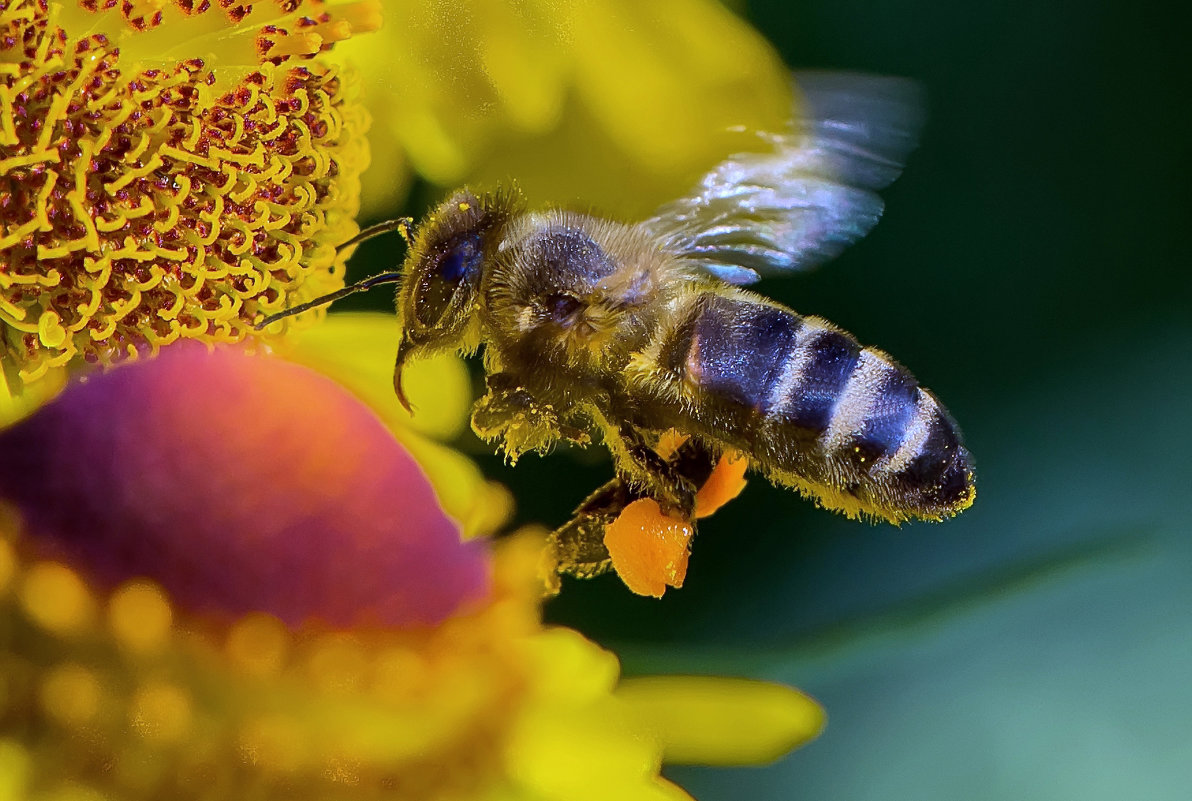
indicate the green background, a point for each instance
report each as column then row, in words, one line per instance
column 1032, row 270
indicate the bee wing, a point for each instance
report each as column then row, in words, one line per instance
column 812, row 194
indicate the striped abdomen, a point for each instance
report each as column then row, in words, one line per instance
column 813, row 408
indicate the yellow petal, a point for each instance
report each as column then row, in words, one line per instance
column 718, row 721
column 528, row 90
column 15, row 767
column 601, row 760
column 17, row 400
column 571, row 667
column 358, row 350
column 480, row 506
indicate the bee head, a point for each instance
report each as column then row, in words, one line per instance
column 441, row 279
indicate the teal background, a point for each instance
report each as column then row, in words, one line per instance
column 1032, row 270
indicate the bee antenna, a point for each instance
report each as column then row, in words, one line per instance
column 351, row 289
column 403, row 225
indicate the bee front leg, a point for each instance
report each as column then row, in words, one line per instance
column 510, row 414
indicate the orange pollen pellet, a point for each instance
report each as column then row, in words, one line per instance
column 649, row 549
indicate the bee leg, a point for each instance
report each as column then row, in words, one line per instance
column 508, row 398
column 694, row 461
column 523, row 423
column 578, row 545
column 577, row 548
column 673, row 490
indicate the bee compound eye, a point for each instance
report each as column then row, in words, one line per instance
column 449, row 273
column 455, row 265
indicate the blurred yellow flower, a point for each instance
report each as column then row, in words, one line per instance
column 167, row 170
column 239, row 585
column 613, row 103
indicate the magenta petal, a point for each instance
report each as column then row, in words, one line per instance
column 240, row 483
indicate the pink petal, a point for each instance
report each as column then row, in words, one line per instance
column 240, row 483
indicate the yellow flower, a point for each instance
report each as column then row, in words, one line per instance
column 238, row 585
column 613, row 103
column 167, row 171
column 222, row 576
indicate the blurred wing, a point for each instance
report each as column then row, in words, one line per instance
column 812, row 194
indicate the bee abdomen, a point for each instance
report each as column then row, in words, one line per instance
column 728, row 351
column 892, row 447
column 816, row 410
column 873, row 411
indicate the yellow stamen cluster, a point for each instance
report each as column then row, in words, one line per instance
column 128, row 694
column 120, row 694
column 147, row 194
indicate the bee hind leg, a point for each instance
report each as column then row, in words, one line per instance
column 578, row 545
column 577, row 548
column 661, row 478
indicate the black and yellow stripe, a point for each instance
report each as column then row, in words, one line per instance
column 816, row 410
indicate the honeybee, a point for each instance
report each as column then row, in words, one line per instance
column 591, row 326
